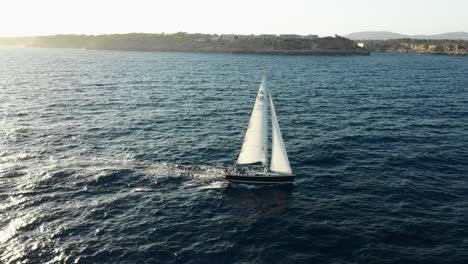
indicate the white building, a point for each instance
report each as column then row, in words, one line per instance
column 228, row 37
column 268, row 36
column 310, row 37
column 290, row 36
column 241, row 37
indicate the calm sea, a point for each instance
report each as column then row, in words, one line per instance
column 116, row 157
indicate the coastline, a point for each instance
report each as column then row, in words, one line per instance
column 204, row 43
column 418, row 46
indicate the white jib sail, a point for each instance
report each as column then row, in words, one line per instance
column 279, row 157
column 255, row 145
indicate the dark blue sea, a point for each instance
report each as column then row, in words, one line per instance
column 117, row 157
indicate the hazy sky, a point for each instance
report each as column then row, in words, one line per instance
column 46, row 17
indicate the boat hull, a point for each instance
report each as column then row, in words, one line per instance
column 259, row 179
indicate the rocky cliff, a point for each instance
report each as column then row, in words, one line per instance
column 258, row 44
column 452, row 47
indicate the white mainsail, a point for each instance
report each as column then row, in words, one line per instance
column 255, row 145
column 279, row 157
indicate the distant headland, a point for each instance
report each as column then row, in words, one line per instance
column 209, row 43
column 453, row 43
column 419, row 46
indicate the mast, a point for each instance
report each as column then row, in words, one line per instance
column 265, row 122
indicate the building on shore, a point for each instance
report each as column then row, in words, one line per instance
column 244, row 37
column 228, row 37
column 289, row 36
column 310, row 37
column 268, row 36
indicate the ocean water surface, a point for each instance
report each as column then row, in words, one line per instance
column 117, row 157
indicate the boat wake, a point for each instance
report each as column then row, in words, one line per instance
column 187, row 176
column 247, row 186
column 143, row 190
column 188, row 171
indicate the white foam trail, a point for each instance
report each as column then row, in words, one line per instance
column 245, row 186
column 215, row 185
column 143, row 190
column 194, row 172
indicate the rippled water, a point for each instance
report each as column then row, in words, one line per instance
column 116, row 157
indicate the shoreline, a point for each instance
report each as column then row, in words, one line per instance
column 202, row 43
column 418, row 46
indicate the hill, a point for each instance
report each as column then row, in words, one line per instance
column 375, row 35
column 385, row 35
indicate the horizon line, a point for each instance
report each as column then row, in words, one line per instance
column 224, row 33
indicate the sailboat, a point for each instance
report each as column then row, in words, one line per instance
column 254, row 149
